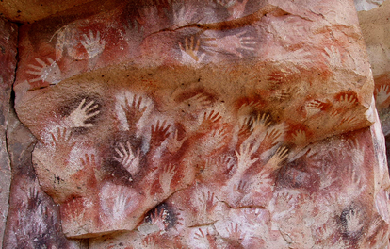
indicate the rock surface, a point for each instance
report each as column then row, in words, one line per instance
column 367, row 4
column 216, row 124
column 376, row 30
column 250, row 53
column 28, row 217
column 375, row 26
column 323, row 199
column 8, row 47
column 33, row 218
column 29, row 11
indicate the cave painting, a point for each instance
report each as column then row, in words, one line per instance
column 200, row 161
column 198, row 129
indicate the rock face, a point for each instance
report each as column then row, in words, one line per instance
column 376, row 30
column 290, row 210
column 367, row 4
column 215, row 124
column 375, row 27
column 27, row 11
column 33, row 218
column 28, row 217
column 8, row 46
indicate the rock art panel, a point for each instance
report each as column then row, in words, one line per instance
column 320, row 199
column 213, row 36
column 33, row 218
column 8, row 46
column 219, row 124
column 375, row 27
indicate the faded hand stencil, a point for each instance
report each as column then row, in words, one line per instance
column 49, row 73
column 67, row 40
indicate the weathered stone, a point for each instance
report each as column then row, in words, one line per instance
column 216, row 124
column 8, row 50
column 376, row 30
column 214, row 53
column 33, row 218
column 375, row 26
column 29, row 11
column 324, row 199
column 367, row 4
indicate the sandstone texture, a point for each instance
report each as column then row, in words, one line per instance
column 29, row 11
column 8, row 47
column 292, row 210
column 33, row 218
column 28, row 217
column 375, row 26
column 376, row 30
column 367, row 4
column 197, row 124
column 259, row 56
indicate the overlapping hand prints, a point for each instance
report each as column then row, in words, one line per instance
column 214, row 128
column 194, row 162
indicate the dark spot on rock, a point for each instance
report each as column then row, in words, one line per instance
column 296, row 175
column 164, row 213
column 116, row 173
column 113, row 170
column 19, row 11
column 2, row 118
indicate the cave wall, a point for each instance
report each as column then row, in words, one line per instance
column 188, row 124
column 375, row 27
column 8, row 46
